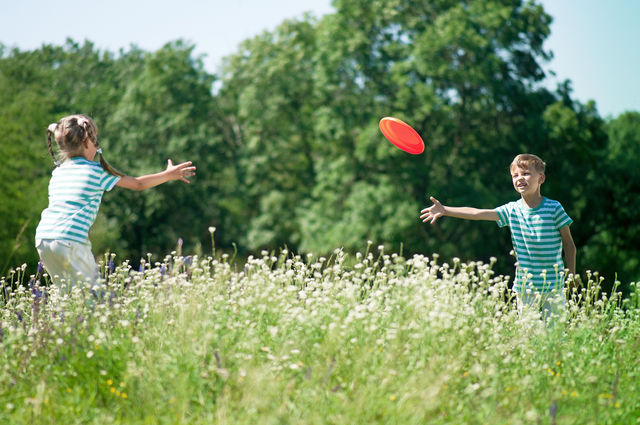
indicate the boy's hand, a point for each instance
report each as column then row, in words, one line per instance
column 434, row 212
column 573, row 282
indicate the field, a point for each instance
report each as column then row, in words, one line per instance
column 288, row 339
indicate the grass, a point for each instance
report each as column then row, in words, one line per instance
column 287, row 339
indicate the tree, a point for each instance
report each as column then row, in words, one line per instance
column 268, row 90
column 613, row 248
column 165, row 114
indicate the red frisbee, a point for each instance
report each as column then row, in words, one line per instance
column 402, row 135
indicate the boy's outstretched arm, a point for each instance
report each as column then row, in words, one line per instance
column 173, row 172
column 438, row 210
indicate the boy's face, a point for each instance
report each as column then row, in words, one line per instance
column 526, row 180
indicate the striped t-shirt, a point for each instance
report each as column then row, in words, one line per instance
column 535, row 233
column 75, row 192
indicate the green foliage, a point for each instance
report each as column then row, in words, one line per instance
column 287, row 144
column 616, row 239
column 24, row 102
column 164, row 114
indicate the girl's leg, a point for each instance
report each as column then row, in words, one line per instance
column 55, row 258
column 83, row 263
column 69, row 261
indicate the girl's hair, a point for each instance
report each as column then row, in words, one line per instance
column 526, row 160
column 70, row 133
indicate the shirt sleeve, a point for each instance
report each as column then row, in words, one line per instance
column 108, row 181
column 561, row 218
column 503, row 215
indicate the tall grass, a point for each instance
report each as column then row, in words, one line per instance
column 287, row 339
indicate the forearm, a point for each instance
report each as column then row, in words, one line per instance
column 469, row 213
column 144, row 182
column 173, row 172
column 570, row 258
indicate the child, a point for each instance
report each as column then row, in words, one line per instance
column 75, row 191
column 539, row 232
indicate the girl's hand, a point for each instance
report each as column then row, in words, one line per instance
column 180, row 171
column 432, row 213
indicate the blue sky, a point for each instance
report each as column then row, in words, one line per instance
column 596, row 43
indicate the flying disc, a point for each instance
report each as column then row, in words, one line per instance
column 402, row 135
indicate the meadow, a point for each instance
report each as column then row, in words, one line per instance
column 287, row 339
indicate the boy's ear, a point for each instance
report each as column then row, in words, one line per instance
column 542, row 178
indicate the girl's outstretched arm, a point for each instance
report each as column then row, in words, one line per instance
column 438, row 210
column 173, row 172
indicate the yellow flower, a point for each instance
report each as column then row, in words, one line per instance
column 392, row 397
column 109, row 382
column 68, row 390
column 124, row 395
column 112, row 389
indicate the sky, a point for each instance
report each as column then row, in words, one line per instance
column 596, row 43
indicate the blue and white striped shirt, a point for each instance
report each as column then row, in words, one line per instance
column 535, row 233
column 75, row 192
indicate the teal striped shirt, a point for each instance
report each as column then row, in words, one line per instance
column 75, row 192
column 535, row 233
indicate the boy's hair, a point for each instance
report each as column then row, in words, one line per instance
column 527, row 160
column 70, row 133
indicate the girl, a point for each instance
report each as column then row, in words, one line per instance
column 75, row 190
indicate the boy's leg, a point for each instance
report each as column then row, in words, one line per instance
column 554, row 304
column 549, row 305
column 527, row 300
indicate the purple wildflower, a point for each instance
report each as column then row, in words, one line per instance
column 36, row 291
column 40, row 268
column 111, row 265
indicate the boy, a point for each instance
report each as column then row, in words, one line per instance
column 539, row 232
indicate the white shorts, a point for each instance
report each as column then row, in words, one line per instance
column 71, row 261
column 550, row 305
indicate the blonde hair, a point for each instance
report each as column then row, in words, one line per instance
column 70, row 133
column 527, row 160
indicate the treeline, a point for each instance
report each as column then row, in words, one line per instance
column 287, row 144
